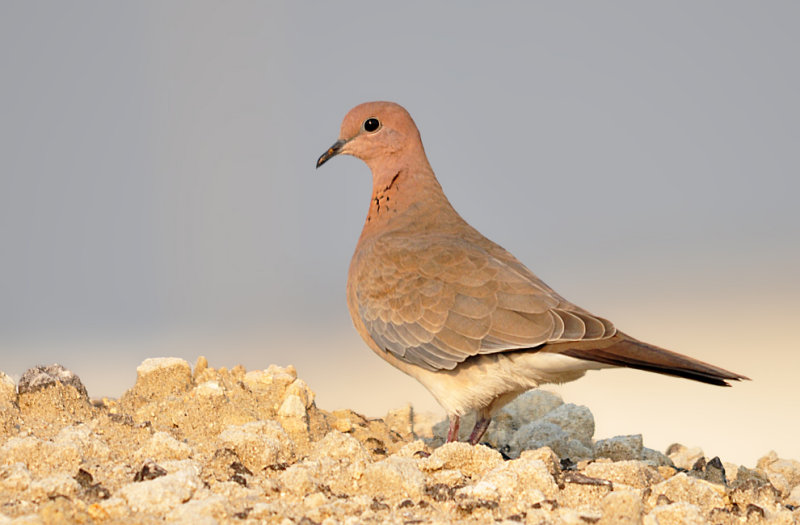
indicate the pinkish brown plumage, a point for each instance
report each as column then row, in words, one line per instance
column 444, row 304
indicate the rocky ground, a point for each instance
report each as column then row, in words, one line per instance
column 208, row 446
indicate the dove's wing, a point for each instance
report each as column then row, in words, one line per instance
column 435, row 300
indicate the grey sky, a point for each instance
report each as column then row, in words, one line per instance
column 157, row 180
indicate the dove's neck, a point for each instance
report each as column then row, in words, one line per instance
column 406, row 196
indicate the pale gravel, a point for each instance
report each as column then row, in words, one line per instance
column 229, row 446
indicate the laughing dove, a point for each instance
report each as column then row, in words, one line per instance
column 452, row 309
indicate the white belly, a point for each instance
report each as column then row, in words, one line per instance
column 492, row 380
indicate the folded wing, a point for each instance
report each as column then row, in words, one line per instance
column 435, row 302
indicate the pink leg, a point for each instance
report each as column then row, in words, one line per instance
column 481, row 424
column 452, row 434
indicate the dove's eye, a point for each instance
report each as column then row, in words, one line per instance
column 371, row 124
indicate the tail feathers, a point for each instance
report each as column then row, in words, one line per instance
column 623, row 350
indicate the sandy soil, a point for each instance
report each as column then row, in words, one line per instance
column 208, row 445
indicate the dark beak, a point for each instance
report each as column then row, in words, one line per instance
column 332, row 152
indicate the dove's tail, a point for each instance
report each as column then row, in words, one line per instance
column 623, row 350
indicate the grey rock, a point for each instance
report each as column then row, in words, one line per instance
column 576, row 420
column 526, row 408
column 654, row 458
column 715, row 471
column 578, row 450
column 532, row 405
column 39, row 377
column 712, row 471
column 620, row 448
column 539, row 434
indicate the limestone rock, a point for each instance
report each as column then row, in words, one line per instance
column 401, row 420
column 423, row 423
column 299, row 388
column 53, row 486
column 784, row 474
column 200, row 366
column 415, row 449
column 341, row 447
column 293, row 406
column 753, row 491
column 684, row 457
column 634, row 474
column 9, row 411
column 274, row 376
column 526, row 480
column 206, row 511
column 163, row 493
column 301, row 478
column 472, row 461
column 794, row 497
column 8, row 390
column 621, row 508
column 395, row 476
column 162, row 446
column 160, row 377
column 49, row 399
column 547, row 456
column 342, row 423
column 15, row 477
column 259, row 444
column 483, row 494
column 229, row 446
column 684, row 488
column 342, row 460
column 680, row 513
column 209, row 390
column 41, row 456
column 580, row 495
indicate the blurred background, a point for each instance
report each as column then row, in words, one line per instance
column 158, row 193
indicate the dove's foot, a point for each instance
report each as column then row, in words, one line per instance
column 452, row 433
column 481, row 424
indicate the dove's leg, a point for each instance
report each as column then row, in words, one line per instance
column 452, row 434
column 481, row 424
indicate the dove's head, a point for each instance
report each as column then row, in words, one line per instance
column 375, row 132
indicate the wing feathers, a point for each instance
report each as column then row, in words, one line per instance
column 435, row 304
column 473, row 328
